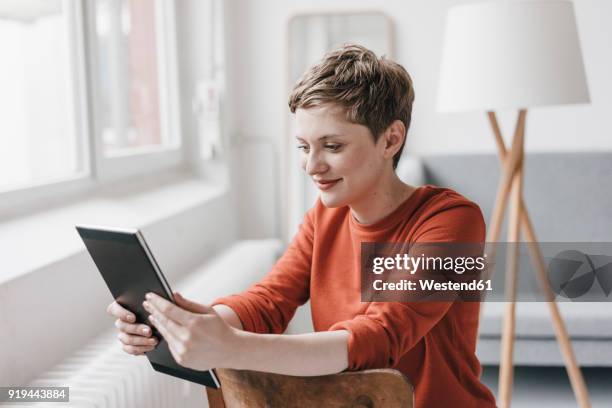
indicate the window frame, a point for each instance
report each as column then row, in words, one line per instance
column 97, row 170
column 141, row 161
column 31, row 196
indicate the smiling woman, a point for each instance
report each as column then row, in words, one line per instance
column 338, row 156
column 310, row 35
column 353, row 112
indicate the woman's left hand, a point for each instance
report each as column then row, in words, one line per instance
column 196, row 335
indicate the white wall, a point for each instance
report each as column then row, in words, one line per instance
column 248, row 159
column 256, row 62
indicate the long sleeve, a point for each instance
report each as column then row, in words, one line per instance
column 269, row 305
column 387, row 330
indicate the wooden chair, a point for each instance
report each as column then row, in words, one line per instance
column 361, row 389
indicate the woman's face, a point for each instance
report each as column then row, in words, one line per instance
column 340, row 157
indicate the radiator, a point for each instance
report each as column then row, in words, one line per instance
column 102, row 375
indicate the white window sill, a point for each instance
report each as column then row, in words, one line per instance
column 49, row 285
column 31, row 242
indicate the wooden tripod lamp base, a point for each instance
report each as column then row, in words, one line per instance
column 511, row 189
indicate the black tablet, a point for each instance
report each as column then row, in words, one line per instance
column 130, row 271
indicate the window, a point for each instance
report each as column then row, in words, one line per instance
column 136, row 104
column 129, row 77
column 89, row 94
column 40, row 122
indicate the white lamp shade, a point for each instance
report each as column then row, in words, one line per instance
column 511, row 54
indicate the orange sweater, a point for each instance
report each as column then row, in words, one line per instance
column 432, row 343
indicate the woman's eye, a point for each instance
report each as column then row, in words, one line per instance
column 333, row 146
column 303, row 148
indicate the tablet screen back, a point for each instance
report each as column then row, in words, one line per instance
column 130, row 271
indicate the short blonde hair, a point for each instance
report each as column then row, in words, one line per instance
column 373, row 91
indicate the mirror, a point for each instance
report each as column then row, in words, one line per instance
column 309, row 37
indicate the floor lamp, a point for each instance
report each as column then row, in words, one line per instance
column 515, row 55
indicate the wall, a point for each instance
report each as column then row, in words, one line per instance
column 256, row 62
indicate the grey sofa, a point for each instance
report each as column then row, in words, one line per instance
column 569, row 199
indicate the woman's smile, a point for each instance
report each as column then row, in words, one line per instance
column 328, row 184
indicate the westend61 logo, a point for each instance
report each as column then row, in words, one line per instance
column 450, row 271
column 572, row 273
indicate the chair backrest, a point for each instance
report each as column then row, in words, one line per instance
column 359, row 389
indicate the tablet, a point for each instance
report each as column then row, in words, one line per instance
column 130, row 271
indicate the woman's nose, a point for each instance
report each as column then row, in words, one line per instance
column 315, row 164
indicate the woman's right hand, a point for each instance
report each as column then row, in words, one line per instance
column 136, row 338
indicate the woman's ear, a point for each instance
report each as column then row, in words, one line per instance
column 394, row 138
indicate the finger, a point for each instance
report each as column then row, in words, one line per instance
column 139, row 329
column 168, row 309
column 164, row 330
column 115, row 309
column 129, row 340
column 191, row 305
column 137, row 350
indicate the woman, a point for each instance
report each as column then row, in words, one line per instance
column 352, row 114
